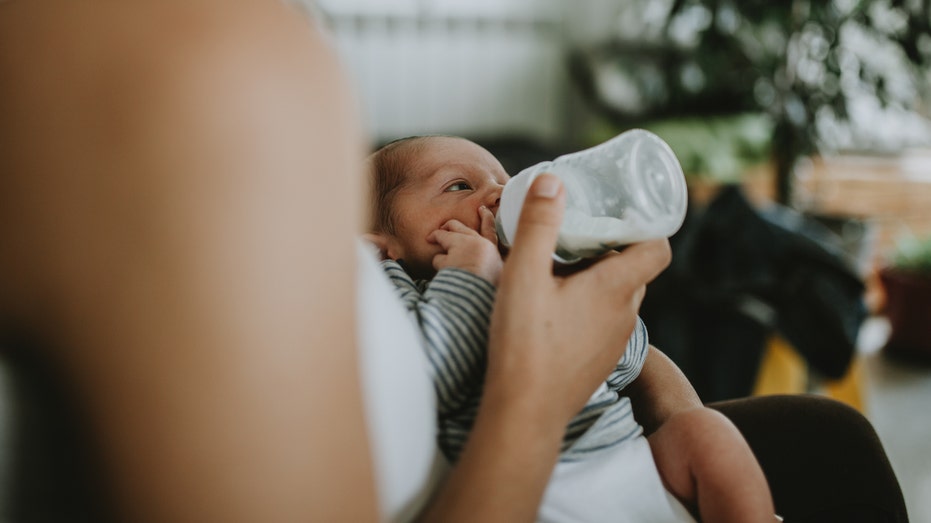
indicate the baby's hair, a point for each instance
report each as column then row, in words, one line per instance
column 388, row 172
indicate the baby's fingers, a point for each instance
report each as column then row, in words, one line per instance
column 487, row 226
column 440, row 261
column 457, row 227
column 442, row 237
column 453, row 232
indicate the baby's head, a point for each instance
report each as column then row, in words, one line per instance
column 420, row 183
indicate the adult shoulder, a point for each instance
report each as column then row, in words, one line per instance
column 104, row 98
column 170, row 170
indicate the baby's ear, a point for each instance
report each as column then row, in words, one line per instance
column 380, row 242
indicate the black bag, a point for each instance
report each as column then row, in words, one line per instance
column 737, row 276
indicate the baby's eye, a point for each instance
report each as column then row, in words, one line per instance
column 459, row 186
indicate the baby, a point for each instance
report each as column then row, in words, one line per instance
column 435, row 198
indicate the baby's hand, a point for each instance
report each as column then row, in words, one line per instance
column 469, row 250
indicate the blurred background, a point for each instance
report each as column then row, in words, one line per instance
column 804, row 129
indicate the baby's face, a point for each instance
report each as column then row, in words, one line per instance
column 449, row 179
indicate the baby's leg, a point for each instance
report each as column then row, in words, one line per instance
column 705, row 462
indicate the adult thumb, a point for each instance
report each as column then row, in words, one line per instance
column 538, row 227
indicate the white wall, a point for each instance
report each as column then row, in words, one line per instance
column 468, row 67
column 475, row 67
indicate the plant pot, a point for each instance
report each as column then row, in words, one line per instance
column 908, row 308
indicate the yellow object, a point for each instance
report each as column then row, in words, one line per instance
column 849, row 389
column 783, row 371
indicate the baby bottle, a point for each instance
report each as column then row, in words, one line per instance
column 626, row 190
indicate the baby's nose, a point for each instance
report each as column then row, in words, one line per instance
column 494, row 206
column 494, row 200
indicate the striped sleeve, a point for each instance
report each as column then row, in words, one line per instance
column 599, row 427
column 453, row 311
column 627, row 370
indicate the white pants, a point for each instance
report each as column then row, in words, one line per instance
column 619, row 485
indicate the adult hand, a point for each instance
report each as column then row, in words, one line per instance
column 552, row 340
column 556, row 337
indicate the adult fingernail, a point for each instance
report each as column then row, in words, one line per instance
column 546, row 186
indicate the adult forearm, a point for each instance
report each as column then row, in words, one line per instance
column 505, row 466
column 660, row 391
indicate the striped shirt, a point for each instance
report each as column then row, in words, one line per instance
column 452, row 311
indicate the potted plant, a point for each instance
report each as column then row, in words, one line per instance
column 906, row 281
